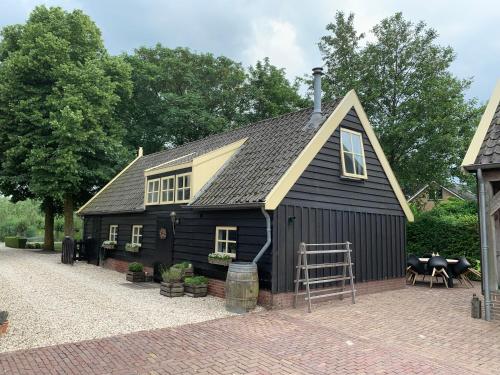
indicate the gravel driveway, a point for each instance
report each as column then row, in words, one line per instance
column 52, row 303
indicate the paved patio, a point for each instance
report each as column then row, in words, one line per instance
column 411, row 331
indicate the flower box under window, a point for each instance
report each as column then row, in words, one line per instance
column 109, row 245
column 220, row 259
column 132, row 247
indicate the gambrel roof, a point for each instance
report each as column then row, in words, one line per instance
column 484, row 150
column 272, row 155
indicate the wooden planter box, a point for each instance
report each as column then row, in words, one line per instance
column 220, row 262
column 109, row 247
column 136, row 277
column 188, row 272
column 172, row 289
column 3, row 327
column 196, row 291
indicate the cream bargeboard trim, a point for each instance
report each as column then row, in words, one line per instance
column 293, row 173
column 482, row 129
column 109, row 183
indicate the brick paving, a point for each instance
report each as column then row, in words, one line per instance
column 410, row 331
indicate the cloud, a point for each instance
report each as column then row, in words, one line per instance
column 276, row 39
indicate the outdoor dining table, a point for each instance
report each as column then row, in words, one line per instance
column 449, row 269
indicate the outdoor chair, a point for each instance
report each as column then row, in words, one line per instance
column 461, row 269
column 438, row 265
column 414, row 268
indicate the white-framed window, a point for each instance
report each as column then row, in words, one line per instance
column 353, row 154
column 137, row 234
column 225, row 240
column 113, row 233
column 168, row 189
column 183, row 187
column 153, row 195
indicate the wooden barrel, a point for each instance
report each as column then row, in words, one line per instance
column 242, row 287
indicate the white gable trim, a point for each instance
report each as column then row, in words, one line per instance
column 293, row 173
column 482, row 129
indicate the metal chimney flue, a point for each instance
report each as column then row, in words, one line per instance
column 316, row 118
column 317, row 73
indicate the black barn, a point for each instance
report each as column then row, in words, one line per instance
column 320, row 176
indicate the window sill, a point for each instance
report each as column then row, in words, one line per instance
column 352, row 178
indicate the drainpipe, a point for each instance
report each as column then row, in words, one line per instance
column 483, row 227
column 268, row 230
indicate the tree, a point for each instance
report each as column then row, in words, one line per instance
column 180, row 96
column 59, row 93
column 268, row 93
column 417, row 106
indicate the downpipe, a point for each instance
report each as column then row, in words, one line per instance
column 483, row 227
column 268, row 231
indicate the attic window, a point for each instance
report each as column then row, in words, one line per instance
column 183, row 188
column 353, row 154
column 153, row 196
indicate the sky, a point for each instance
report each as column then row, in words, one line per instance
column 285, row 31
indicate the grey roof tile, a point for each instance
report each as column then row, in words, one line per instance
column 247, row 178
column 489, row 153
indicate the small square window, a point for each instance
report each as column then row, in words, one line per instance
column 113, row 233
column 226, row 240
column 137, row 234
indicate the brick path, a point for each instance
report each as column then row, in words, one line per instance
column 412, row 331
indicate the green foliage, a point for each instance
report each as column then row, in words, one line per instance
column 172, row 275
column 60, row 137
column 34, row 245
column 182, row 265
column 417, row 106
column 181, row 96
column 450, row 229
column 219, row 256
column 132, row 247
column 16, row 242
column 135, row 267
column 196, row 280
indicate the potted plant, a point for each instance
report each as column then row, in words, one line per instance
column 220, row 259
column 4, row 323
column 132, row 247
column 135, row 272
column 172, row 285
column 186, row 267
column 109, row 245
column 196, row 286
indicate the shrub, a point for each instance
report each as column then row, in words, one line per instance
column 196, row 280
column 182, row 265
column 172, row 275
column 135, row 267
column 16, row 242
column 450, row 229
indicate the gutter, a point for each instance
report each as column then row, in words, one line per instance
column 484, row 245
column 268, row 231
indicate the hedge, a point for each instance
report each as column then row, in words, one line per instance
column 450, row 229
column 16, row 242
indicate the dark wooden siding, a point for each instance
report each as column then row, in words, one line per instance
column 194, row 237
column 322, row 185
column 378, row 242
column 323, row 206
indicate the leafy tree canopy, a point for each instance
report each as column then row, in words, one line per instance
column 416, row 105
column 181, row 96
column 59, row 92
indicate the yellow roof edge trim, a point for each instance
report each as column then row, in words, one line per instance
column 109, row 183
column 219, row 151
column 166, row 168
column 293, row 173
column 482, row 128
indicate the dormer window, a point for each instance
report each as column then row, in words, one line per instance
column 183, row 188
column 353, row 154
column 168, row 189
column 153, row 195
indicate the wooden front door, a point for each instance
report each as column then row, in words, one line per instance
column 165, row 241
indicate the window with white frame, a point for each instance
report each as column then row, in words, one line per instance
column 168, row 189
column 225, row 240
column 137, row 234
column 183, row 187
column 353, row 154
column 113, row 233
column 153, row 196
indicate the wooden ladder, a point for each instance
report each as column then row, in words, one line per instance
column 303, row 265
